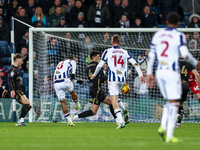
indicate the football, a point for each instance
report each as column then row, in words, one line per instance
column 125, row 89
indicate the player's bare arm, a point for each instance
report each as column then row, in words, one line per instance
column 150, row 81
column 4, row 93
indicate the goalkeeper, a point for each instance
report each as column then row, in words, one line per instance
column 97, row 94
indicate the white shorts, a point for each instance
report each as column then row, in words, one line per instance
column 62, row 87
column 115, row 87
column 169, row 83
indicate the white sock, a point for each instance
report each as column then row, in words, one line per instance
column 67, row 116
column 75, row 117
column 164, row 116
column 21, row 120
column 121, row 105
column 172, row 116
column 76, row 102
column 119, row 118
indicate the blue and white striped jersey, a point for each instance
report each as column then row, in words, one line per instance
column 64, row 69
column 117, row 59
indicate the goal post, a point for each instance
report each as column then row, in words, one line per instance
column 51, row 45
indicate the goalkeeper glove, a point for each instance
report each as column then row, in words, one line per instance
column 72, row 76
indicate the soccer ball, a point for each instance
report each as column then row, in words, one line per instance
column 125, row 89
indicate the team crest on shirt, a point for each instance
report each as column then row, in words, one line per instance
column 190, row 76
column 12, row 74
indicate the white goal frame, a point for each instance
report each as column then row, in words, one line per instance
column 31, row 30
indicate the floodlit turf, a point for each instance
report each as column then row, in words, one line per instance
column 94, row 136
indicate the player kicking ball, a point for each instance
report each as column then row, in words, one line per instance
column 167, row 44
column 96, row 92
column 117, row 59
column 64, row 73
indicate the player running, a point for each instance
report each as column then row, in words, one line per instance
column 64, row 73
column 15, row 90
column 185, row 68
column 96, row 92
column 117, row 59
column 166, row 45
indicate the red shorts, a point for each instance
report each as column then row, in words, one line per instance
column 194, row 88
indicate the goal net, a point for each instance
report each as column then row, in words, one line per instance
column 50, row 46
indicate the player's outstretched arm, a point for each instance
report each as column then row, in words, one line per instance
column 150, row 81
column 137, row 68
column 98, row 68
column 150, row 78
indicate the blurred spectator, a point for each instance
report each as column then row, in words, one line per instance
column 88, row 3
column 3, row 77
column 30, row 9
column 194, row 45
column 20, row 28
column 2, row 14
column 152, row 6
column 80, row 22
column 106, row 38
column 57, row 3
column 23, row 42
column 52, row 52
column 105, row 69
column 194, row 21
column 2, row 87
column 78, row 7
column 189, row 7
column 4, row 30
column 37, row 24
column 67, row 46
column 99, row 15
column 166, row 6
column 24, row 52
column 63, row 23
column 115, row 15
column 124, row 22
column 2, row 72
column 45, row 5
column 12, row 9
column 128, row 10
column 109, row 3
column 69, row 6
column 86, row 46
column 148, row 18
column 47, row 86
column 39, row 16
column 23, row 3
column 54, row 19
column 136, row 5
column 142, row 59
column 137, row 23
column 17, row 12
column 141, row 89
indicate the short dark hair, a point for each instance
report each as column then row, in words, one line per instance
column 173, row 18
column 18, row 56
column 78, row 0
column 70, row 57
column 94, row 52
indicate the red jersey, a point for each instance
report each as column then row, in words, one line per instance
column 191, row 79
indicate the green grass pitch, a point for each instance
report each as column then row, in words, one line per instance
column 94, row 136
